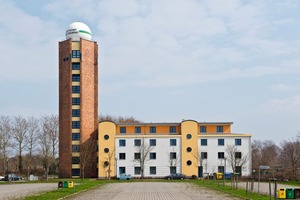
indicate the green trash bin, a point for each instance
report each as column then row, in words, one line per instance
column 66, row 184
column 290, row 193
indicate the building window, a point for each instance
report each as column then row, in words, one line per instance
column 221, row 155
column 137, row 170
column 76, row 54
column 219, row 129
column 152, row 142
column 189, row 163
column 122, row 143
column 75, row 66
column 75, row 124
column 220, row 142
column 137, row 142
column 106, row 137
column 172, row 142
column 173, row 155
column 173, row 170
column 122, row 156
column 238, row 155
column 76, row 101
column 75, row 113
column 203, row 155
column 203, row 142
column 75, row 160
column 152, row 129
column 188, row 136
column 172, row 129
column 221, row 169
column 75, row 148
column 152, row 156
column 202, row 129
column 75, row 89
column 137, row 129
column 75, row 136
column 106, row 150
column 238, row 169
column 238, row 142
column 122, row 170
column 189, row 149
column 137, row 156
column 122, row 129
column 76, row 77
column 75, row 172
column 152, row 170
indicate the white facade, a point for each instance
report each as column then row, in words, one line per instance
column 162, row 150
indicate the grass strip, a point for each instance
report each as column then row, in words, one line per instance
column 80, row 186
column 227, row 189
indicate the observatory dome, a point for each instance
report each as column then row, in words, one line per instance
column 78, row 30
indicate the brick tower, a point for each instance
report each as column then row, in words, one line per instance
column 78, row 100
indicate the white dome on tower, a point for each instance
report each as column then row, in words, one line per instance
column 78, row 30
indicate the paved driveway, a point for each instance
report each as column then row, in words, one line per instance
column 152, row 191
column 14, row 191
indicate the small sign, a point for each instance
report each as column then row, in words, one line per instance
column 264, row 167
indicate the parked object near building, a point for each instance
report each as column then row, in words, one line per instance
column 12, row 177
column 124, row 177
column 175, row 176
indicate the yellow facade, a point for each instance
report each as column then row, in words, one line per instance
column 106, row 138
column 189, row 139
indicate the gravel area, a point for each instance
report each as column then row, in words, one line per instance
column 15, row 191
column 152, row 191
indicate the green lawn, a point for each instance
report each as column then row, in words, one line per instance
column 63, row 192
column 211, row 184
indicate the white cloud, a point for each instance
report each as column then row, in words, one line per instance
column 282, row 105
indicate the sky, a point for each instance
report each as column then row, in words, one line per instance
column 163, row 60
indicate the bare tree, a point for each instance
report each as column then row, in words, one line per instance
column 118, row 119
column 45, row 145
column 235, row 157
column 31, row 140
column 5, row 140
column 144, row 150
column 87, row 154
column 110, row 156
column 19, row 133
column 174, row 159
column 290, row 156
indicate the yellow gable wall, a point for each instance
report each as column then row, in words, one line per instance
column 189, row 127
column 106, row 128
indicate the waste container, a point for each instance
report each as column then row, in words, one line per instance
column 228, row 175
column 70, row 184
column 219, row 175
column 297, row 193
column 60, row 184
column 290, row 193
column 66, row 185
column 281, row 193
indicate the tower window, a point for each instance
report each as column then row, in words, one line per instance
column 76, row 66
column 76, row 54
column 75, row 124
column 75, row 89
column 75, row 101
column 76, row 77
column 75, row 148
column 76, row 136
column 75, row 113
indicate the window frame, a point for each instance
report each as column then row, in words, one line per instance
column 122, row 156
column 221, row 142
column 173, row 142
column 152, row 170
column 123, row 130
column 238, row 142
column 220, row 129
column 152, row 142
column 137, row 129
column 203, row 142
column 202, row 129
column 152, row 155
column 152, row 129
column 137, row 142
column 121, row 142
column 221, row 155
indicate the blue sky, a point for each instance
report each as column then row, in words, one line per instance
column 163, row 61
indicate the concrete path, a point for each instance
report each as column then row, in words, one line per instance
column 152, row 191
column 15, row 191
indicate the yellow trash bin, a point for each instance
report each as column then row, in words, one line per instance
column 281, row 193
column 70, row 184
column 219, row 175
